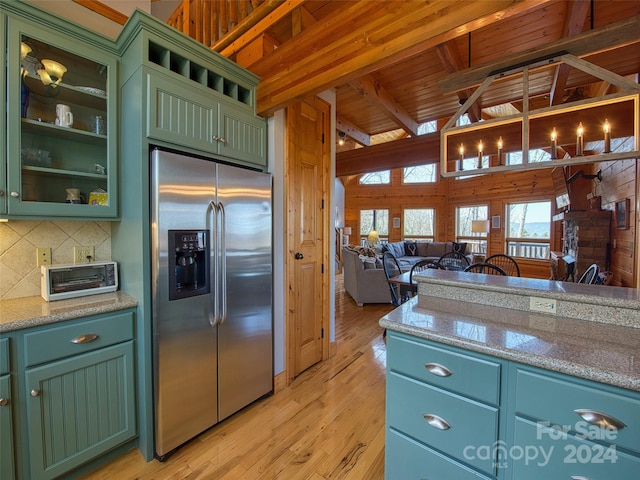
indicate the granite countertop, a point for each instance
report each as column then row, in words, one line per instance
column 26, row 312
column 605, row 352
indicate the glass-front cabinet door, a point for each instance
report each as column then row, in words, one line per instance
column 62, row 130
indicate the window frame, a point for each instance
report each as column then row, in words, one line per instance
column 383, row 238
column 508, row 239
column 478, row 242
column 417, row 238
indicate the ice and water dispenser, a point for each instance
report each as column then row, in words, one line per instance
column 188, row 263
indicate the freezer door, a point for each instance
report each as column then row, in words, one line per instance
column 185, row 339
column 245, row 343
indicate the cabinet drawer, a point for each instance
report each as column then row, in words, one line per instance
column 406, row 459
column 473, row 377
column 4, row 356
column 472, row 425
column 552, row 455
column 555, row 400
column 52, row 343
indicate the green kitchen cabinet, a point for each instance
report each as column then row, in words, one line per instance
column 62, row 110
column 6, row 417
column 3, row 130
column 77, row 401
column 201, row 119
column 454, row 413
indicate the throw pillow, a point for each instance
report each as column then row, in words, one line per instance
column 460, row 247
column 410, row 248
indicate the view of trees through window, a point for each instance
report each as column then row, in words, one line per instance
column 529, row 229
column 419, row 224
column 464, row 220
column 376, row 178
column 420, row 174
column 377, row 220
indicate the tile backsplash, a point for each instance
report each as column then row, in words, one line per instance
column 19, row 274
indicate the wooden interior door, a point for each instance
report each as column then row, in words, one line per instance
column 307, row 171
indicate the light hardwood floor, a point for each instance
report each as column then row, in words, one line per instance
column 328, row 424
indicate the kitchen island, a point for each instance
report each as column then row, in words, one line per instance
column 481, row 386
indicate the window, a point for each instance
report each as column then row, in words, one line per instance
column 419, row 224
column 535, row 156
column 465, row 218
column 420, row 174
column 428, row 127
column 376, row 178
column 377, row 220
column 529, row 230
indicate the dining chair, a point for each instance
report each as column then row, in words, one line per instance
column 486, row 268
column 392, row 269
column 454, row 261
column 506, row 263
column 590, row 275
column 424, row 265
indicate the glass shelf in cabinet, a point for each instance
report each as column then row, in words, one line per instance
column 90, row 97
column 34, row 126
column 61, row 172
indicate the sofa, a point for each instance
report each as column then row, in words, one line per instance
column 364, row 278
column 408, row 253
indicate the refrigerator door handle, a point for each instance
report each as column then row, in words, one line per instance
column 213, row 314
column 223, row 263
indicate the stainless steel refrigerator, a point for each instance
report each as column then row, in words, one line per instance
column 211, row 233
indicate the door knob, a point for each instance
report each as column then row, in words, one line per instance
column 299, row 256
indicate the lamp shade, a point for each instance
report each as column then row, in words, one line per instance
column 480, row 226
column 346, row 231
column 373, row 237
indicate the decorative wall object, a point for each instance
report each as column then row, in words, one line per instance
column 622, row 214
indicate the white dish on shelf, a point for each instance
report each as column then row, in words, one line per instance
column 95, row 91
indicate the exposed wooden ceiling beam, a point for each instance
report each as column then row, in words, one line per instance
column 353, row 131
column 406, row 152
column 255, row 25
column 104, row 10
column 450, row 58
column 577, row 16
column 366, row 37
column 614, row 35
column 376, row 94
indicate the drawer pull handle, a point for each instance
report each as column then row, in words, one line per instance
column 579, row 477
column 86, row 338
column 600, row 419
column 35, row 392
column 436, row 422
column 4, row 402
column 438, row 370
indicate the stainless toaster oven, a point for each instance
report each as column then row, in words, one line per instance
column 68, row 281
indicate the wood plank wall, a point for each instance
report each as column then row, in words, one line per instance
column 618, row 183
column 496, row 191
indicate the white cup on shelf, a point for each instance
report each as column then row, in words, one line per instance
column 64, row 117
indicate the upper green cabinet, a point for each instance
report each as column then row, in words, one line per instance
column 193, row 98
column 62, row 127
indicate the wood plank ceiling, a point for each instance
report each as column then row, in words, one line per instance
column 397, row 64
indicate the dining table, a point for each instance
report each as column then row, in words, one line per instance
column 404, row 280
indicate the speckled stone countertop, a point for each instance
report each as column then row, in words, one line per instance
column 447, row 311
column 26, row 312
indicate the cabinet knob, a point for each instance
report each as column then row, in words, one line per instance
column 215, row 138
column 4, row 402
column 15, row 194
column 35, row 392
column 436, row 422
column 438, row 370
column 223, row 140
column 1, row 193
column 600, row 419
